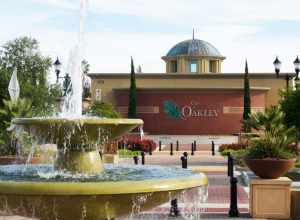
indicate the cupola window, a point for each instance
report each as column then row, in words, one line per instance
column 174, row 66
column 193, row 66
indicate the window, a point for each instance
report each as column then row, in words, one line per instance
column 174, row 66
column 193, row 66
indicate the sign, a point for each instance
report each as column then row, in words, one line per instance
column 191, row 110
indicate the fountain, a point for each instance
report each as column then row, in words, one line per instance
column 77, row 185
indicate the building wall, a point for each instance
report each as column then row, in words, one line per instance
column 108, row 82
column 220, row 92
column 190, row 112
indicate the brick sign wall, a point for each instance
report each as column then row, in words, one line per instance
column 192, row 112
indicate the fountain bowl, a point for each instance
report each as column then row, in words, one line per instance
column 78, row 140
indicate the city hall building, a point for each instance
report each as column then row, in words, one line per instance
column 193, row 97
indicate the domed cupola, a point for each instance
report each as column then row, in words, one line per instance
column 193, row 56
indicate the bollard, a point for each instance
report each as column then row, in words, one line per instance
column 159, row 145
column 195, row 146
column 171, row 149
column 177, row 145
column 150, row 150
column 143, row 157
column 233, row 211
column 230, row 166
column 136, row 160
column 184, row 159
column 192, row 150
column 213, row 148
column 174, row 212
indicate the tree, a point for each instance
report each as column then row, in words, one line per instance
column 102, row 109
column 247, row 101
column 86, row 92
column 67, row 85
column 12, row 109
column 132, row 93
column 290, row 105
column 32, row 68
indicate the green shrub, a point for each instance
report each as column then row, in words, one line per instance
column 102, row 109
column 125, row 153
column 275, row 137
column 225, row 148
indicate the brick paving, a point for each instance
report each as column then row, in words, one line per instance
column 218, row 201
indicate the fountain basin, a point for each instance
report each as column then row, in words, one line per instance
column 65, row 200
column 78, row 139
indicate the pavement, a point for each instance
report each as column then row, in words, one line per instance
column 218, row 201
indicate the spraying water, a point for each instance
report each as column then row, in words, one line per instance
column 72, row 106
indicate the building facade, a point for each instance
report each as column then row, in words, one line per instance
column 193, row 96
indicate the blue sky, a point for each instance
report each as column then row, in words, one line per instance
column 117, row 29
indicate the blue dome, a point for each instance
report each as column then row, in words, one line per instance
column 194, row 48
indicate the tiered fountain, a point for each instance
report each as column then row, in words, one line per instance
column 77, row 185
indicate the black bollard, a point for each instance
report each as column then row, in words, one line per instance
column 230, row 166
column 174, row 212
column 143, row 157
column 150, row 150
column 233, row 211
column 171, row 149
column 195, row 146
column 159, row 145
column 177, row 145
column 192, row 150
column 213, row 148
column 184, row 159
column 136, row 160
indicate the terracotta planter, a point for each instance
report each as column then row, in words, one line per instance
column 269, row 168
column 6, row 160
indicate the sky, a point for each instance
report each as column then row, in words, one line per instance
column 146, row 29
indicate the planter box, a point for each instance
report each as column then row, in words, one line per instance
column 7, row 160
column 270, row 198
column 110, row 158
column 295, row 211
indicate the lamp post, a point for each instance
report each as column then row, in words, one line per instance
column 297, row 67
column 57, row 66
column 277, row 65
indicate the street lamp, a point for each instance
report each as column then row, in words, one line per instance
column 297, row 67
column 277, row 65
column 57, row 65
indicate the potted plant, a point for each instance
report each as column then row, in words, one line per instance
column 269, row 155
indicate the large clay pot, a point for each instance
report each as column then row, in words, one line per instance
column 269, row 168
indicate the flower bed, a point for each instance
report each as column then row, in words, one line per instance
column 135, row 143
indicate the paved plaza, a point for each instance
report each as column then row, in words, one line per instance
column 215, row 167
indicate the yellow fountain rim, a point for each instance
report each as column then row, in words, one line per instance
column 83, row 120
column 101, row 188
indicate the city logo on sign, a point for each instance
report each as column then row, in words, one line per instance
column 192, row 110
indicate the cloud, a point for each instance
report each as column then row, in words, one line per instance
column 236, row 28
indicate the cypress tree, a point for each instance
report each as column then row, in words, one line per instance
column 132, row 93
column 247, row 100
